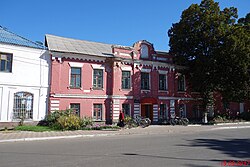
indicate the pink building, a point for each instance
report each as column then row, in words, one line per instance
column 100, row 80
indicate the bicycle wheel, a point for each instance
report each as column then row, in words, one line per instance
column 185, row 121
column 172, row 122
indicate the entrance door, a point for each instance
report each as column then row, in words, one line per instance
column 147, row 111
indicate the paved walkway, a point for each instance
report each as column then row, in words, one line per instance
column 13, row 136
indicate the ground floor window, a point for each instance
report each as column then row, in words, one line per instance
column 75, row 108
column 97, row 112
column 197, row 111
column 163, row 112
column 182, row 110
column 23, row 105
column 126, row 109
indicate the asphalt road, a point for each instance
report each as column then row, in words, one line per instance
column 193, row 149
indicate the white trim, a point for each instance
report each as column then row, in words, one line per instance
column 98, row 66
column 87, row 96
column 54, row 101
column 74, row 64
column 177, row 98
column 147, row 70
column 125, row 54
column 163, row 72
column 127, row 68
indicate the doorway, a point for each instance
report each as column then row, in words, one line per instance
column 147, row 111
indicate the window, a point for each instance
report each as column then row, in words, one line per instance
column 126, row 109
column 98, row 79
column 76, row 108
column 23, row 105
column 75, row 80
column 181, row 83
column 163, row 112
column 162, row 82
column 144, row 51
column 145, row 81
column 97, row 113
column 5, row 62
column 182, row 110
column 126, row 79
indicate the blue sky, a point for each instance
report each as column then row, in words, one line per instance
column 109, row 21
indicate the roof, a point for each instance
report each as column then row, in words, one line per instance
column 69, row 45
column 8, row 37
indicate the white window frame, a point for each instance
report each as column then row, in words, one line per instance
column 144, row 51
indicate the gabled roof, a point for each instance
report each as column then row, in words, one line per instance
column 69, row 45
column 11, row 38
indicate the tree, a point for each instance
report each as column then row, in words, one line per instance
column 215, row 49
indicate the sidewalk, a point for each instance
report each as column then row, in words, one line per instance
column 14, row 136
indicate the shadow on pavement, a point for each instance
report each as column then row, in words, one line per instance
column 236, row 148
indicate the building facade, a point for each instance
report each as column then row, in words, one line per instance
column 100, row 80
column 24, row 78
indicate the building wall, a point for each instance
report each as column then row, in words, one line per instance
column 112, row 96
column 30, row 73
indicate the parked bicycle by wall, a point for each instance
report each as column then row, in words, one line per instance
column 178, row 121
column 143, row 122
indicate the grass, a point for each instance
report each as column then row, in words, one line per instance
column 34, row 128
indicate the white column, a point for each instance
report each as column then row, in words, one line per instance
column 155, row 113
column 116, row 110
column 136, row 109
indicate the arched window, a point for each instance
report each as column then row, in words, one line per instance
column 23, row 105
column 144, row 51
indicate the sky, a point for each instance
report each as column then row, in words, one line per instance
column 121, row 22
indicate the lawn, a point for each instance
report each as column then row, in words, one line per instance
column 34, row 128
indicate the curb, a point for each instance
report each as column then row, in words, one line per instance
column 232, row 127
column 233, row 123
column 53, row 138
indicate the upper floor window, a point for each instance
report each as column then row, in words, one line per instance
column 5, row 62
column 144, row 51
column 23, row 105
column 145, row 81
column 126, row 79
column 98, row 79
column 162, row 82
column 181, row 82
column 75, row 77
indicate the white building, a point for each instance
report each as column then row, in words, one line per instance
column 24, row 78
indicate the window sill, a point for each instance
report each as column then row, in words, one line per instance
column 126, row 89
column 97, row 88
column 69, row 87
column 181, row 91
column 163, row 91
column 145, row 91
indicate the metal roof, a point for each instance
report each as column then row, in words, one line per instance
column 69, row 45
column 8, row 37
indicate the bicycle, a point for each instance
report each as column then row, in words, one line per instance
column 179, row 121
column 143, row 122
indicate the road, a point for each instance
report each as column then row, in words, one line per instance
column 204, row 148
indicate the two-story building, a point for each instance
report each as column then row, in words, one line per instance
column 100, row 80
column 24, row 78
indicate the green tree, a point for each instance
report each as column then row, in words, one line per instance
column 214, row 48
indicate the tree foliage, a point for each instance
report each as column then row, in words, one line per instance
column 215, row 48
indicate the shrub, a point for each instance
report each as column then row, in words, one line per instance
column 86, row 121
column 245, row 115
column 69, row 122
column 52, row 118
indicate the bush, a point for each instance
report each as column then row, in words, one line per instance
column 245, row 115
column 69, row 122
column 52, row 118
column 86, row 121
